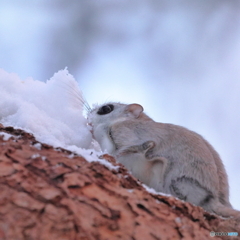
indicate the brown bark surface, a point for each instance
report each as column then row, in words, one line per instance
column 45, row 194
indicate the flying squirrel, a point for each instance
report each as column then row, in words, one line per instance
column 169, row 158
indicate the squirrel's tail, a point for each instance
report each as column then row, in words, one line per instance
column 225, row 211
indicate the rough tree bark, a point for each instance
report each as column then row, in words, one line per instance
column 45, row 194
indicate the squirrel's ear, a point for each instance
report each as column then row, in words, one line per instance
column 135, row 109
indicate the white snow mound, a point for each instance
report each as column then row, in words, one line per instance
column 51, row 111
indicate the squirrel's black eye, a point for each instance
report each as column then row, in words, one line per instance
column 105, row 109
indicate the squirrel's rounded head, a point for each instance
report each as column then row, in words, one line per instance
column 110, row 112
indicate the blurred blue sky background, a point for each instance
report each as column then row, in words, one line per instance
column 179, row 59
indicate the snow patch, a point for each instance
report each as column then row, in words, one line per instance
column 178, row 220
column 153, row 191
column 38, row 146
column 71, row 156
column 6, row 136
column 130, row 190
column 92, row 156
column 51, row 111
column 35, row 156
